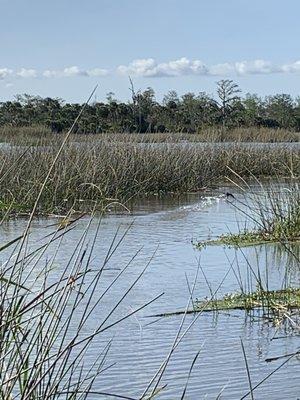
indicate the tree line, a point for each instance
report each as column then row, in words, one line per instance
column 143, row 113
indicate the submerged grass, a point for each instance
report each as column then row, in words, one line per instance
column 275, row 300
column 277, row 306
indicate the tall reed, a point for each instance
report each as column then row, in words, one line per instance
column 94, row 171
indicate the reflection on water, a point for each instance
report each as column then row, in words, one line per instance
column 140, row 343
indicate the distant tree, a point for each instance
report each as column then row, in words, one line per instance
column 110, row 97
column 297, row 113
column 171, row 99
column 143, row 104
column 253, row 110
column 167, row 113
column 197, row 111
column 227, row 92
column 280, row 108
column 207, row 109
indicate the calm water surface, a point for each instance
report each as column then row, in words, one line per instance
column 164, row 231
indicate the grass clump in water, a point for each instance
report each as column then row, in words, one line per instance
column 275, row 214
column 274, row 300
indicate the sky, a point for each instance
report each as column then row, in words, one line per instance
column 63, row 48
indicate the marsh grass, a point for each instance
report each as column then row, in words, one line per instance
column 277, row 306
column 274, row 213
column 48, row 319
column 51, row 317
column 92, row 171
column 204, row 135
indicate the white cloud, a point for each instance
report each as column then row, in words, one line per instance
column 50, row 73
column 183, row 66
column 293, row 67
column 74, row 71
column 255, row 67
column 221, row 69
column 97, row 72
column 141, row 67
column 27, row 73
column 149, row 68
column 9, row 84
column 66, row 72
column 5, row 72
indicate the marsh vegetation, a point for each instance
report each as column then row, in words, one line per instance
column 66, row 294
column 93, row 171
column 273, row 213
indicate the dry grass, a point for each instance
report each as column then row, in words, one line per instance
column 209, row 134
column 93, row 171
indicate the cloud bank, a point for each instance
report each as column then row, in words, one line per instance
column 182, row 67
column 150, row 68
column 5, row 72
column 67, row 72
column 74, row 71
column 27, row 73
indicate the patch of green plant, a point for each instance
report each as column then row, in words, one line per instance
column 243, row 239
column 250, row 238
column 274, row 303
column 11, row 208
column 276, row 300
column 277, row 220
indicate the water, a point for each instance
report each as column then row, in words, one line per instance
column 164, row 230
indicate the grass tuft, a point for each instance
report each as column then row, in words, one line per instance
column 276, row 216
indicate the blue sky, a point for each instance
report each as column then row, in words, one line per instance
column 62, row 48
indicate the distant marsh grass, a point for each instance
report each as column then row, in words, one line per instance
column 101, row 171
column 209, row 134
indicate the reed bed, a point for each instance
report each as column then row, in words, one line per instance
column 258, row 135
column 204, row 135
column 273, row 213
column 103, row 171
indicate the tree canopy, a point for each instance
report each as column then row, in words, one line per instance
column 143, row 113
